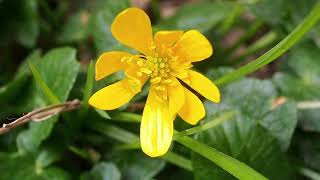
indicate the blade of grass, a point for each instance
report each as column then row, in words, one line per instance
column 276, row 51
column 229, row 164
column 126, row 117
column 310, row 173
column 103, row 114
column 88, row 86
column 203, row 127
column 115, row 132
column 44, row 87
column 177, row 159
column 230, row 20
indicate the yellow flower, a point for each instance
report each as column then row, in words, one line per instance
column 166, row 60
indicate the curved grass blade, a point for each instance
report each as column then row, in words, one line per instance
column 231, row 165
column 276, row 51
column 44, row 87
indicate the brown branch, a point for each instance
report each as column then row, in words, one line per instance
column 41, row 114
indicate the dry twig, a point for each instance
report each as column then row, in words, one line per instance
column 41, row 114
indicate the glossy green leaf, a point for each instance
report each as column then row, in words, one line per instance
column 281, row 123
column 254, row 136
column 46, row 157
column 12, row 91
column 34, row 57
column 301, row 81
column 58, row 69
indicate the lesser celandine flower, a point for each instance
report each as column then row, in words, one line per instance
column 165, row 60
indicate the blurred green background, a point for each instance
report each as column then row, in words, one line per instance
column 276, row 130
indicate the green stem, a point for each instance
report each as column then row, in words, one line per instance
column 276, row 51
column 231, row 165
column 126, row 117
column 177, row 159
column 203, row 127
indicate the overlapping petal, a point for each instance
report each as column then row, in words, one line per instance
column 156, row 128
column 193, row 46
column 132, row 27
column 115, row 95
column 109, row 63
column 165, row 39
column 176, row 97
column 204, row 86
column 192, row 110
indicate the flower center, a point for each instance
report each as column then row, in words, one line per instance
column 158, row 69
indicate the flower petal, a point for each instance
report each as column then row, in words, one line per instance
column 192, row 110
column 109, row 63
column 176, row 97
column 115, row 95
column 132, row 27
column 165, row 39
column 156, row 128
column 193, row 46
column 203, row 85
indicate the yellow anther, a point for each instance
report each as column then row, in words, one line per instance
column 124, row 59
column 161, row 65
column 140, row 62
column 160, row 88
column 155, row 80
column 162, row 71
column 168, row 81
column 129, row 60
column 155, row 60
column 145, row 70
column 139, row 73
